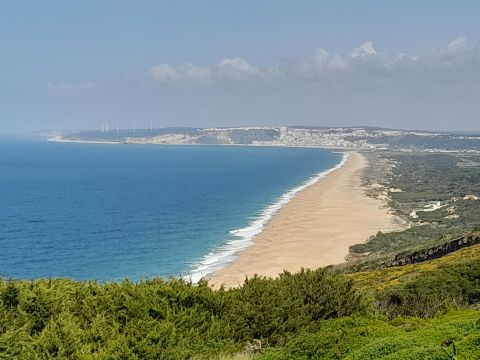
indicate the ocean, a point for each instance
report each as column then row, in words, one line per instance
column 110, row 212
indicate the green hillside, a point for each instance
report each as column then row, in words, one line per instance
column 309, row 315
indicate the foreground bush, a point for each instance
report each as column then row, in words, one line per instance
column 424, row 289
column 272, row 310
column 399, row 339
column 308, row 315
column 155, row 319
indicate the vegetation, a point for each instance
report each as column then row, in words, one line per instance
column 309, row 315
column 418, row 315
column 400, row 339
column 64, row 319
column 423, row 289
column 423, row 178
column 412, row 141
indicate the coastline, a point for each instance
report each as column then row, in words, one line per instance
column 59, row 139
column 226, row 254
column 314, row 229
column 269, row 245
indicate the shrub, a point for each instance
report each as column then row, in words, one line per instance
column 272, row 310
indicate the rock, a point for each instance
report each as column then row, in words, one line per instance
column 435, row 251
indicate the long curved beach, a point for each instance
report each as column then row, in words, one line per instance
column 314, row 229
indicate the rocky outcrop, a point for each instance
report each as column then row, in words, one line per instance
column 435, row 251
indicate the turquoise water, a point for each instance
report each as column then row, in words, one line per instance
column 88, row 211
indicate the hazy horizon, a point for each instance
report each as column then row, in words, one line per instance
column 412, row 65
column 49, row 132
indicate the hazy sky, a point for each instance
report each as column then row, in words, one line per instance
column 78, row 64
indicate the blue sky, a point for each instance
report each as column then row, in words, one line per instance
column 78, row 64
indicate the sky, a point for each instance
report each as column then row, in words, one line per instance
column 75, row 65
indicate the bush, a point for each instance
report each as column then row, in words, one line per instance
column 272, row 310
column 400, row 339
column 308, row 315
column 425, row 295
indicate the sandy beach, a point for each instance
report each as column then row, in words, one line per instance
column 314, row 229
column 58, row 138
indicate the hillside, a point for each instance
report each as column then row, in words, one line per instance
column 364, row 138
column 413, row 312
column 433, row 193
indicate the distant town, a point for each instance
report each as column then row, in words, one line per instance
column 365, row 138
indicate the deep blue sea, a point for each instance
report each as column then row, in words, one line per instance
column 108, row 212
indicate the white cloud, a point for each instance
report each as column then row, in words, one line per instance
column 237, row 69
column 337, row 62
column 163, row 73
column 321, row 57
column 190, row 71
column 457, row 44
column 228, row 69
column 364, row 85
column 322, row 62
column 185, row 73
column 363, row 62
column 406, row 57
column 364, row 50
column 194, row 73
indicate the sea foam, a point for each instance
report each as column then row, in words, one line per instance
column 225, row 254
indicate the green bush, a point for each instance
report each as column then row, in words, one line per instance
column 272, row 310
column 308, row 315
column 425, row 295
column 171, row 319
column 400, row 339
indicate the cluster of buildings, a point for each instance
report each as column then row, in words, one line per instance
column 362, row 138
column 331, row 138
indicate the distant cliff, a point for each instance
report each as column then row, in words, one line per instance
column 435, row 251
column 346, row 137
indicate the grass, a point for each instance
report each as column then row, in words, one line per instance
column 379, row 280
column 399, row 339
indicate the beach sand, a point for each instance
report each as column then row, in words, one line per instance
column 314, row 229
column 60, row 139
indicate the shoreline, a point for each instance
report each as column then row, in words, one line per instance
column 314, row 229
column 336, row 149
column 226, row 254
column 59, row 139
column 231, row 262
